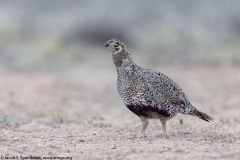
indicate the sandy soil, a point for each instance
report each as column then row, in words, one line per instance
column 79, row 114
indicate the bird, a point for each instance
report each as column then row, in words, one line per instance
column 148, row 93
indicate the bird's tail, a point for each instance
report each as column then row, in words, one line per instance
column 202, row 115
column 193, row 111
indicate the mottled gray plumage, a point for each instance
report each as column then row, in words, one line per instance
column 147, row 93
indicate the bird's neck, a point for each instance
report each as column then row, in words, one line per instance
column 123, row 60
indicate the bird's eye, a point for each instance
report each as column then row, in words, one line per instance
column 117, row 43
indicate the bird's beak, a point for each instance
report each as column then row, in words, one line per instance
column 106, row 44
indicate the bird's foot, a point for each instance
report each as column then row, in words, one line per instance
column 166, row 136
column 163, row 136
column 142, row 135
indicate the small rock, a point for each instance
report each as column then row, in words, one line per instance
column 15, row 138
column 181, row 121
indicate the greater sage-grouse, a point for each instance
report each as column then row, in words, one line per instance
column 147, row 93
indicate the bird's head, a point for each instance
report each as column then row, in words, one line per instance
column 116, row 46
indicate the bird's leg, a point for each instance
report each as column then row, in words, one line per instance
column 144, row 125
column 164, row 127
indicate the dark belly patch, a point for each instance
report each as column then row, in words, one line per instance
column 148, row 111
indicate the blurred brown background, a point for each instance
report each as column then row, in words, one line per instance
column 52, row 52
column 64, row 34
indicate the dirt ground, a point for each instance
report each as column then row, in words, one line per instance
column 79, row 114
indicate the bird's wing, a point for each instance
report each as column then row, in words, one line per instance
column 165, row 87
